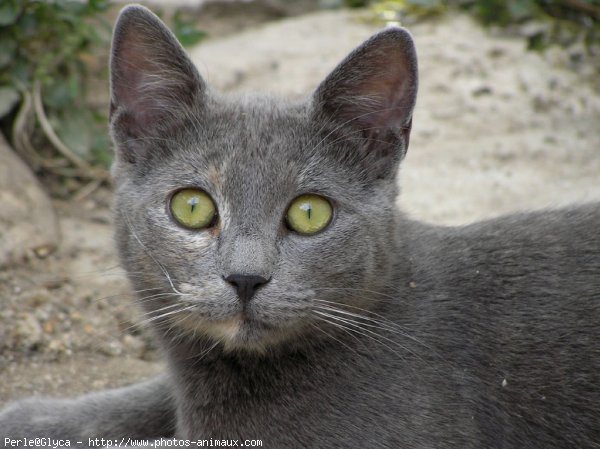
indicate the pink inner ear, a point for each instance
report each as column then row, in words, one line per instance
column 375, row 87
column 388, row 108
column 152, row 77
column 131, row 64
column 368, row 100
column 140, row 103
column 387, row 90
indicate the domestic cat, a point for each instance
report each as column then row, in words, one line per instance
column 297, row 306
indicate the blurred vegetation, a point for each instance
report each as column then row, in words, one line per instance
column 53, row 59
column 562, row 22
column 542, row 22
column 46, row 55
column 185, row 29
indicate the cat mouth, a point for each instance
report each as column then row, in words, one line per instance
column 243, row 330
column 239, row 330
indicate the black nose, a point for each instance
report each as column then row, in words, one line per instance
column 246, row 285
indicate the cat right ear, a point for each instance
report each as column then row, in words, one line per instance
column 368, row 99
column 154, row 84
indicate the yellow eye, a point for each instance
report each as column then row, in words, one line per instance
column 309, row 214
column 193, row 208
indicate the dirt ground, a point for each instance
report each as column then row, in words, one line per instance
column 496, row 129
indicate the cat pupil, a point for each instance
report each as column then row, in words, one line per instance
column 193, row 202
column 308, row 208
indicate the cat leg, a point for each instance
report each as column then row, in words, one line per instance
column 142, row 411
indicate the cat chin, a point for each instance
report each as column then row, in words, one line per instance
column 240, row 333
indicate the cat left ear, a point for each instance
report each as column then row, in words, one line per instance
column 368, row 100
column 153, row 81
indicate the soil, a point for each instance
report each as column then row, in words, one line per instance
column 497, row 129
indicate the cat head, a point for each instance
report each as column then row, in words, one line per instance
column 244, row 219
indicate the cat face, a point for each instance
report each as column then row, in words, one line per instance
column 244, row 219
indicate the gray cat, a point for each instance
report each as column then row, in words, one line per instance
column 295, row 305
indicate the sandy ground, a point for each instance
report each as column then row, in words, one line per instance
column 496, row 129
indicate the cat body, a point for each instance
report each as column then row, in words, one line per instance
column 373, row 331
column 449, row 382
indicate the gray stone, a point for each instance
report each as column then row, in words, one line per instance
column 28, row 224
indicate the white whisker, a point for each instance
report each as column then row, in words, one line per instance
column 163, row 269
column 354, row 327
column 331, row 336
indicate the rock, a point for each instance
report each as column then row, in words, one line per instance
column 28, row 224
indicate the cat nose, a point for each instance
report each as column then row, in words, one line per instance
column 246, row 284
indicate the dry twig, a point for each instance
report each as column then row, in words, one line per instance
column 84, row 169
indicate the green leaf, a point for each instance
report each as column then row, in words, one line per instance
column 29, row 26
column 59, row 93
column 521, row 9
column 97, row 6
column 8, row 48
column 189, row 36
column 72, row 9
column 101, row 152
column 186, row 31
column 9, row 97
column 355, row 3
column 425, row 3
column 21, row 72
column 9, row 12
column 74, row 130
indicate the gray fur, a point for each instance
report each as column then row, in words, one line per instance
column 378, row 332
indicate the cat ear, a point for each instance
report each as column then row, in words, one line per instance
column 368, row 100
column 153, row 81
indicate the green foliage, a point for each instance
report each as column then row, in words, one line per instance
column 560, row 22
column 186, row 31
column 51, row 52
column 393, row 10
column 46, row 51
column 355, row 3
